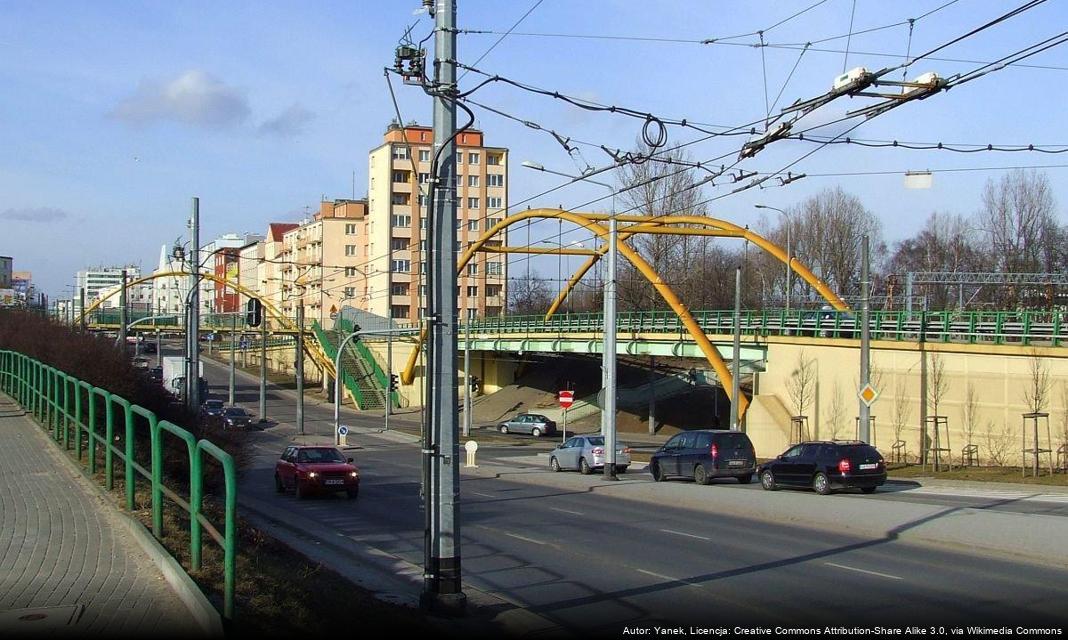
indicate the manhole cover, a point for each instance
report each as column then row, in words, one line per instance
column 40, row 619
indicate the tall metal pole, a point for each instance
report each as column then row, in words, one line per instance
column 263, row 368
column 300, row 365
column 865, row 341
column 467, row 377
column 736, row 361
column 192, row 377
column 608, row 417
column 389, row 371
column 159, row 349
column 789, row 266
column 122, row 312
column 82, row 294
column 442, row 587
column 233, row 357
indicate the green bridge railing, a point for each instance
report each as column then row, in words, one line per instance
column 61, row 402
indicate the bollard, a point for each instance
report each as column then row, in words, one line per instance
column 471, row 447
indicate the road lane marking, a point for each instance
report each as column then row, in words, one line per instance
column 688, row 535
column 872, row 573
column 524, row 539
column 574, row 513
column 484, row 495
column 668, row 578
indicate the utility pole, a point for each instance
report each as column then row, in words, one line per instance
column 442, row 587
column 82, row 294
column 736, row 362
column 467, row 376
column 608, row 415
column 263, row 368
column 192, row 376
column 233, row 355
column 652, row 395
column 122, row 313
column 865, row 338
column 389, row 368
column 300, row 364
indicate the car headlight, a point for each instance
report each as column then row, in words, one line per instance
column 353, row 474
column 313, row 475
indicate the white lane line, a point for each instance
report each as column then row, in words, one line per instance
column 484, row 495
column 669, row 578
column 523, row 538
column 574, row 513
column 871, row 573
column 688, row 535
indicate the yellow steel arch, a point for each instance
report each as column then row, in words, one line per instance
column 316, row 351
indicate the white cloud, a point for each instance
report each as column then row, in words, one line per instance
column 195, row 98
column 290, row 122
column 34, row 214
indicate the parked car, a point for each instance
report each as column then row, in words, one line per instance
column 155, row 374
column 234, row 418
column 210, row 410
column 140, row 363
column 532, row 423
column 149, row 347
column 586, row 453
column 826, row 466
column 306, row 470
column 704, row 455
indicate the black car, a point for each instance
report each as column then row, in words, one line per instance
column 211, row 409
column 704, row 455
column 826, row 466
column 235, row 418
column 148, row 347
column 155, row 374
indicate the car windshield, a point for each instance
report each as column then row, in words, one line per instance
column 213, row 404
column 320, row 455
column 235, row 411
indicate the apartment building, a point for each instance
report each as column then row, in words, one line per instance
column 226, row 266
column 394, row 272
column 95, row 280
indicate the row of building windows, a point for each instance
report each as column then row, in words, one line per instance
column 400, row 152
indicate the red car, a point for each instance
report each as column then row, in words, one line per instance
column 311, row 469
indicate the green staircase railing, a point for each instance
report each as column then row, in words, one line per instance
column 381, row 378
column 330, row 348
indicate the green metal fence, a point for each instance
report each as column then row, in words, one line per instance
column 57, row 400
column 331, row 352
column 381, row 378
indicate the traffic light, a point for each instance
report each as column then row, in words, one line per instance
column 392, row 382
column 254, row 312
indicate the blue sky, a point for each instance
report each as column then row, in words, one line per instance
column 115, row 114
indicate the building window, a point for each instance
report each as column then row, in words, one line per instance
column 350, row 229
column 490, row 222
column 493, row 268
column 350, row 272
column 350, row 292
column 422, row 245
column 401, row 222
column 472, row 292
column 472, row 181
column 472, row 203
column 399, row 288
column 493, row 290
column 403, row 199
column 424, row 200
column 399, row 311
column 422, row 223
column 400, row 176
column 422, row 268
column 424, row 178
column 472, row 269
column 495, row 179
column 472, row 158
column 400, row 153
column 401, row 266
column 350, row 250
column 472, row 225
column 493, row 203
column 398, row 244
column 493, row 158
column 459, row 157
column 424, row 155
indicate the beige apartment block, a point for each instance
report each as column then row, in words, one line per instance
column 394, row 271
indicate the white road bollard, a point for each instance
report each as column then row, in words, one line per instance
column 343, row 435
column 471, row 447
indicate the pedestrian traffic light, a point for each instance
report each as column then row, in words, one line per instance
column 392, row 382
column 254, row 312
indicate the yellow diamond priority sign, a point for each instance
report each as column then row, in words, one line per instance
column 868, row 394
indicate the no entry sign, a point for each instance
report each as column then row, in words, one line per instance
column 567, row 398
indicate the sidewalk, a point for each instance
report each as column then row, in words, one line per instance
column 68, row 564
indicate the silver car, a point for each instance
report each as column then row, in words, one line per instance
column 535, row 424
column 586, row 453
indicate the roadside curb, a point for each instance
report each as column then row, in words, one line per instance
column 200, row 609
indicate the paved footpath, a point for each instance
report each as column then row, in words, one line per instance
column 65, row 554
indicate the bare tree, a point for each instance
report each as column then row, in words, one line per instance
column 970, row 413
column 838, row 410
column 937, row 382
column 802, row 384
column 997, row 443
column 1064, row 414
column 947, row 242
column 1039, row 385
column 902, row 409
column 529, row 295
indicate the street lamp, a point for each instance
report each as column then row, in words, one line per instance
column 608, row 363
column 789, row 256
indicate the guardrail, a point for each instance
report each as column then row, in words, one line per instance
column 56, row 399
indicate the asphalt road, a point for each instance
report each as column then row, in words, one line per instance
column 595, row 563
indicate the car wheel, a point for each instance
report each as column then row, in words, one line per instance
column 658, row 473
column 868, row 489
column 353, row 493
column 767, row 480
column 554, row 464
column 300, row 491
column 584, row 467
column 700, row 474
column 278, row 486
column 504, row 428
column 536, row 432
column 746, row 479
column 820, row 484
